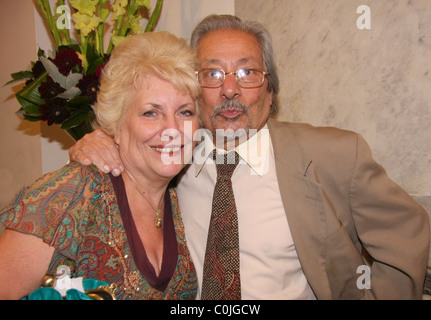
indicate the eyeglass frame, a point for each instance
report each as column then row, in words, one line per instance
column 264, row 74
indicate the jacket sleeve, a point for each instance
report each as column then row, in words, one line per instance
column 392, row 227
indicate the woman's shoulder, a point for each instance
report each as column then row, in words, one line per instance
column 78, row 171
column 43, row 203
column 73, row 175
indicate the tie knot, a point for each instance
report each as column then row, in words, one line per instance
column 226, row 163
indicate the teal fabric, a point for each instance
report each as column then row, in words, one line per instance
column 45, row 293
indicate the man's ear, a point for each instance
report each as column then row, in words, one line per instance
column 269, row 98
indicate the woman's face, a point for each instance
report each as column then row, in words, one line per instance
column 156, row 137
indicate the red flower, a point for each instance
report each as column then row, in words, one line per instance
column 98, row 72
column 54, row 111
column 38, row 69
column 50, row 89
column 89, row 86
column 66, row 60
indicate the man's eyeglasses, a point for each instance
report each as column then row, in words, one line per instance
column 245, row 77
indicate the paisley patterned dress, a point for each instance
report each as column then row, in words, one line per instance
column 75, row 210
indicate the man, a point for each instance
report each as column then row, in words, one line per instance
column 310, row 205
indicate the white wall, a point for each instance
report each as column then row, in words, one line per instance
column 373, row 81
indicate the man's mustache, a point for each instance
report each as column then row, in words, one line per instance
column 229, row 105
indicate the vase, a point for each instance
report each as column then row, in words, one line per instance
column 80, row 130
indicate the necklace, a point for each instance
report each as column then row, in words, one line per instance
column 159, row 222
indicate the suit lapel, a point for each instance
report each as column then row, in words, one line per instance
column 302, row 200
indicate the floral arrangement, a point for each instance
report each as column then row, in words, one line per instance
column 62, row 88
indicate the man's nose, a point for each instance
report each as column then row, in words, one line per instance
column 230, row 88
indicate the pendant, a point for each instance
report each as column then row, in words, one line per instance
column 158, row 223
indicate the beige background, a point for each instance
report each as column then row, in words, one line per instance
column 376, row 82
column 20, row 155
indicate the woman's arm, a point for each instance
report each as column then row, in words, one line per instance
column 24, row 260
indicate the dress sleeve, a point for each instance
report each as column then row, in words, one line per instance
column 42, row 209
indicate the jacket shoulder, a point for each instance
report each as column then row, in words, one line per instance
column 305, row 131
column 319, row 141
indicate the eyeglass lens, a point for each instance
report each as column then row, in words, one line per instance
column 246, row 78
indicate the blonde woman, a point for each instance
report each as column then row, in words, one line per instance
column 125, row 231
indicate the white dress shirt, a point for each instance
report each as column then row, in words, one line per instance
column 269, row 264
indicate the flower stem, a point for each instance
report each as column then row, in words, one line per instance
column 99, row 32
column 154, row 17
column 83, row 46
column 46, row 9
column 115, row 32
column 131, row 10
column 65, row 31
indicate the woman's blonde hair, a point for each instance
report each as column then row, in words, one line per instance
column 157, row 53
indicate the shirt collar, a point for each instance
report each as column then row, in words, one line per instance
column 254, row 152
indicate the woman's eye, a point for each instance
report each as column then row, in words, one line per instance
column 187, row 113
column 149, row 114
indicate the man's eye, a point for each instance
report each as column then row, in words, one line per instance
column 215, row 74
column 244, row 72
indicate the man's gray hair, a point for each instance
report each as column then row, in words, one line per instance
column 221, row 22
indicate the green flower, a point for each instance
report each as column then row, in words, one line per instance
column 134, row 24
column 85, row 23
column 145, row 3
column 116, row 40
column 118, row 9
column 104, row 14
column 85, row 6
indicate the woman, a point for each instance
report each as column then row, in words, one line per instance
column 125, row 230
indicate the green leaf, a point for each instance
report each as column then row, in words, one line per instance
column 91, row 54
column 95, row 64
column 82, row 103
column 22, row 113
column 29, row 97
column 73, row 46
column 75, row 120
column 31, row 118
column 78, row 131
column 40, row 53
column 20, row 76
column 30, row 108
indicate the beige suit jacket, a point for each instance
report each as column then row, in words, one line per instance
column 338, row 200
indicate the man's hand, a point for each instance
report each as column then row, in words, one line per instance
column 99, row 149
